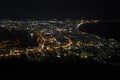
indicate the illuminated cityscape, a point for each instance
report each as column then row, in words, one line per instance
column 44, row 40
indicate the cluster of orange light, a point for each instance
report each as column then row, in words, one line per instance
column 41, row 46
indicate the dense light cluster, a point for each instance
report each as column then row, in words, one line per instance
column 38, row 40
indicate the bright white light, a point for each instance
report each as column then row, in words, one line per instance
column 31, row 34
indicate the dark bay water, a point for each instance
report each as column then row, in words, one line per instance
column 104, row 29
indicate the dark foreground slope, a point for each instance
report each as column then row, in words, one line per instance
column 81, row 65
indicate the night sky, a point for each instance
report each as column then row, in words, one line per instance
column 85, row 9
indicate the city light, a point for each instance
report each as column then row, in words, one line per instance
column 38, row 39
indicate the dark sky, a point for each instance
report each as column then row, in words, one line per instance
column 87, row 9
